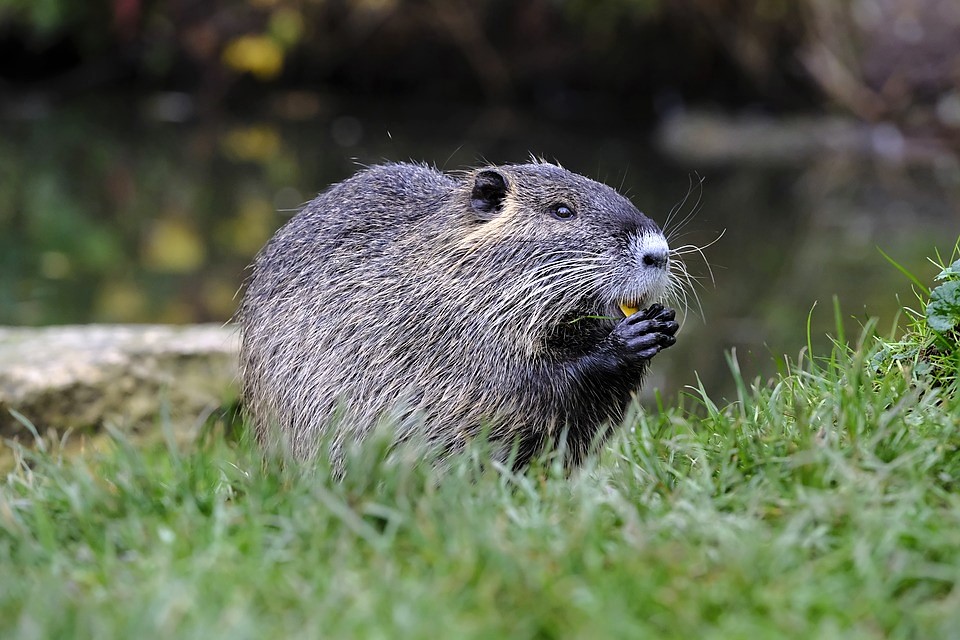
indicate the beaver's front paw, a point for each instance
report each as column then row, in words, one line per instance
column 641, row 336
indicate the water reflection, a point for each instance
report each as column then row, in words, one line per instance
column 116, row 216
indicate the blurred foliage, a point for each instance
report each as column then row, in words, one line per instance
column 109, row 218
column 88, row 21
column 544, row 51
column 875, row 59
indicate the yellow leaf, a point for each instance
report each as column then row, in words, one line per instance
column 246, row 232
column 173, row 246
column 252, row 143
column 258, row 54
column 121, row 301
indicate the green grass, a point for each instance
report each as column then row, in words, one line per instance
column 823, row 504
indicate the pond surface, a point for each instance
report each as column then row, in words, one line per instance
column 113, row 211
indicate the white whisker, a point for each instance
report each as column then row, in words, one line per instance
column 669, row 232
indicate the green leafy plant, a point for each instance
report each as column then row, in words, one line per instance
column 930, row 347
column 943, row 310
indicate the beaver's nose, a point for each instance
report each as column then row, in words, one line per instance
column 655, row 258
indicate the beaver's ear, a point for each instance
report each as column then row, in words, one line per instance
column 489, row 191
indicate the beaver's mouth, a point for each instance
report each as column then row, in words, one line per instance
column 606, row 312
column 629, row 307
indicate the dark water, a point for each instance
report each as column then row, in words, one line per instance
column 112, row 211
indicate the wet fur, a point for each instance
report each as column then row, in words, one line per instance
column 447, row 304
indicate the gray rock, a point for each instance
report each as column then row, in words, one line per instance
column 716, row 138
column 124, row 375
column 721, row 139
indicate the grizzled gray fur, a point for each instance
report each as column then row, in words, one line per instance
column 519, row 298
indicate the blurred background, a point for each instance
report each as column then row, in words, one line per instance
column 149, row 148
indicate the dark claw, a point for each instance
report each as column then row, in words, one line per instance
column 645, row 340
column 646, row 354
column 667, row 315
column 670, row 328
column 645, row 333
column 632, row 327
column 652, row 311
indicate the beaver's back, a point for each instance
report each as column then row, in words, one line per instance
column 347, row 304
column 360, row 216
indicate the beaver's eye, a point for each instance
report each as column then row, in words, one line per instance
column 563, row 212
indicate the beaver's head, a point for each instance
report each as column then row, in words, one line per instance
column 588, row 253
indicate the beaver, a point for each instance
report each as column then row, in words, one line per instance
column 518, row 301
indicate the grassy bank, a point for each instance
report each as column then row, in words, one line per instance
column 822, row 504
